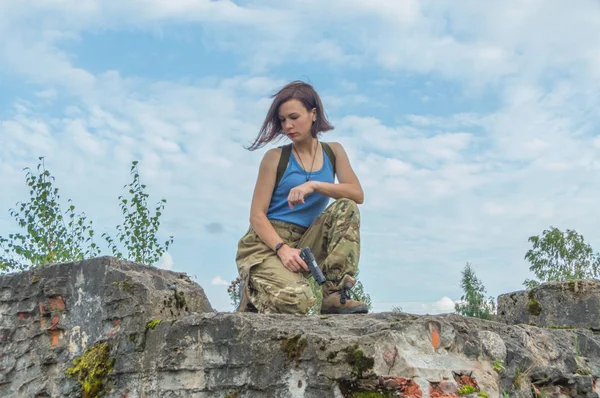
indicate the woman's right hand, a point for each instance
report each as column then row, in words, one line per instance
column 291, row 259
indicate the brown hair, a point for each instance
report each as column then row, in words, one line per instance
column 303, row 92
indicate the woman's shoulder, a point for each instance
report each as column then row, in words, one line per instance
column 335, row 146
column 273, row 153
column 271, row 158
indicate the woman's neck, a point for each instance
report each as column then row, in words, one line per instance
column 308, row 147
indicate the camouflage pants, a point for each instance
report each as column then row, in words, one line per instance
column 334, row 238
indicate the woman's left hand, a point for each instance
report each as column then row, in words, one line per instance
column 297, row 194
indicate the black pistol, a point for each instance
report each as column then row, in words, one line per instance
column 309, row 258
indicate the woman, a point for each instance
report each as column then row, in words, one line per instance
column 291, row 211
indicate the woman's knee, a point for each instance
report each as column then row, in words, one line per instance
column 283, row 296
column 346, row 210
column 296, row 299
column 346, row 202
column 345, row 206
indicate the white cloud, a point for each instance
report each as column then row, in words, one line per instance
column 166, row 262
column 441, row 188
column 443, row 305
column 49, row 94
column 481, row 45
column 217, row 280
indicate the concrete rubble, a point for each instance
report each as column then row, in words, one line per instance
column 106, row 327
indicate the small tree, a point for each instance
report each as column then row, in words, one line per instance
column 51, row 234
column 473, row 303
column 138, row 232
column 234, row 292
column 558, row 255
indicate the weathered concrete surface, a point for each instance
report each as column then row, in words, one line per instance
column 50, row 315
column 208, row 354
column 554, row 305
column 219, row 355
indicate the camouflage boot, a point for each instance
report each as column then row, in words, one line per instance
column 245, row 303
column 336, row 299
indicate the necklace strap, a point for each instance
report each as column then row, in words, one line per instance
column 309, row 174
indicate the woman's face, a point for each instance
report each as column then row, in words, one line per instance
column 296, row 121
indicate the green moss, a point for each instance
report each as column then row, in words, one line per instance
column 91, row 369
column 483, row 395
column 583, row 371
column 177, row 300
column 294, row 346
column 35, row 279
column 534, row 307
column 518, row 380
column 358, row 360
column 152, row 324
column 124, row 285
column 466, row 390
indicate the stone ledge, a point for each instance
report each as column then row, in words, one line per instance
column 163, row 345
column 568, row 304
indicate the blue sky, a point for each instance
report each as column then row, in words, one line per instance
column 471, row 125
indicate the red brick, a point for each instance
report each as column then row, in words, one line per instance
column 24, row 315
column 43, row 310
column 56, row 303
column 54, row 324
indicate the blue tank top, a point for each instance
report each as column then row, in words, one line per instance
column 304, row 213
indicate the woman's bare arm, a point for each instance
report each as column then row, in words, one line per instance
column 261, row 198
column 349, row 185
column 265, row 183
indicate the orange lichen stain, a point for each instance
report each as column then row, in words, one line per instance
column 435, row 336
column 55, row 337
column 42, row 322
